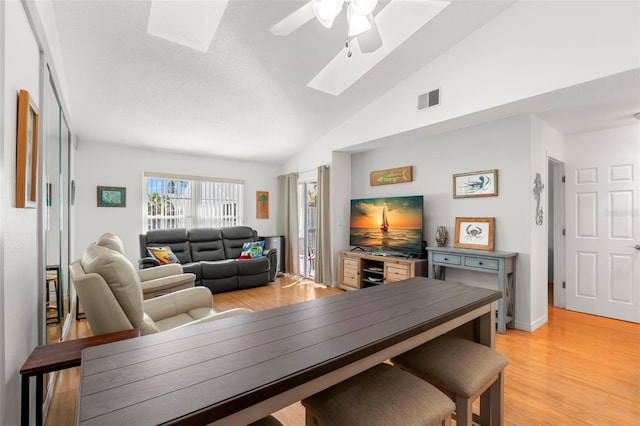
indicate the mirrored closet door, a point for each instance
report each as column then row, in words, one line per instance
column 56, row 214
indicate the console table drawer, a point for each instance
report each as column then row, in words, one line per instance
column 451, row 259
column 481, row 262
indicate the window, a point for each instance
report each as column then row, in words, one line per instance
column 175, row 201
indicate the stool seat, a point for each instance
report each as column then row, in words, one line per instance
column 462, row 368
column 383, row 395
column 52, row 278
column 266, row 421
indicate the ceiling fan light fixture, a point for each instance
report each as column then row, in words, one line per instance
column 358, row 24
column 362, row 7
column 327, row 10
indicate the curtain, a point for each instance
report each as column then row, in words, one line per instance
column 323, row 239
column 288, row 221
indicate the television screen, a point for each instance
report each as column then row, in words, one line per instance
column 390, row 224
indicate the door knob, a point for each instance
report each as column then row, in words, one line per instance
column 637, row 247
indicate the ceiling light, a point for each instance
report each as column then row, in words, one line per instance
column 358, row 24
column 327, row 10
column 359, row 17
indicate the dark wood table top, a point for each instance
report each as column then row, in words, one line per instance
column 203, row 373
column 67, row 354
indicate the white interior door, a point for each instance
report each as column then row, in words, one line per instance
column 603, row 226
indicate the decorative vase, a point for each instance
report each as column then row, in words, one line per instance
column 442, row 237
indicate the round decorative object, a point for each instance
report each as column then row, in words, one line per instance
column 442, row 237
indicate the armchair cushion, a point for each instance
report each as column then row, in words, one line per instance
column 120, row 276
column 111, row 241
column 185, row 307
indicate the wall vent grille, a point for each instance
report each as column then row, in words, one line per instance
column 429, row 99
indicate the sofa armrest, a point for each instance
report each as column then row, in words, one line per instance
column 272, row 255
column 164, row 285
column 160, row 271
column 181, row 301
column 148, row 262
column 226, row 314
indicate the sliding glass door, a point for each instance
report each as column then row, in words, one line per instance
column 307, row 197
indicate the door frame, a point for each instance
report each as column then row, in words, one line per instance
column 557, row 171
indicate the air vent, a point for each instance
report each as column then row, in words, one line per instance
column 429, row 99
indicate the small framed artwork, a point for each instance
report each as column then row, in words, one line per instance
column 26, row 152
column 262, row 205
column 391, row 176
column 112, row 196
column 474, row 233
column 483, row 183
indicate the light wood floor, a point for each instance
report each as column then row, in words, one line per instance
column 576, row 369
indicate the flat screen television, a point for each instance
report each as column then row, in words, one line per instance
column 391, row 224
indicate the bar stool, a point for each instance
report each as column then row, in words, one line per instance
column 465, row 371
column 383, row 395
column 52, row 278
column 266, row 421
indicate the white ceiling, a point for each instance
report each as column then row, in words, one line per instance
column 246, row 97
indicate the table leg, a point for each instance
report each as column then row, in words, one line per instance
column 502, row 303
column 24, row 401
column 39, row 392
column 485, row 328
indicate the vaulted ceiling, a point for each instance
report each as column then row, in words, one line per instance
column 246, row 95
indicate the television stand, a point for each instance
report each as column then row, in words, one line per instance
column 361, row 269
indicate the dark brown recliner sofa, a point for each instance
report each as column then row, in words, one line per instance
column 213, row 255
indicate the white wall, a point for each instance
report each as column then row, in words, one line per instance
column 20, row 248
column 545, row 142
column 502, row 145
column 109, row 165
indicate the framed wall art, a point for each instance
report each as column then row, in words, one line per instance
column 112, row 196
column 391, row 176
column 483, row 183
column 262, row 205
column 26, row 152
column 474, row 233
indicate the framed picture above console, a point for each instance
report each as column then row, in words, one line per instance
column 476, row 184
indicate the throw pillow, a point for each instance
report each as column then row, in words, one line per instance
column 252, row 250
column 164, row 255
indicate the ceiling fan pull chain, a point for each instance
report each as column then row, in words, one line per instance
column 348, row 43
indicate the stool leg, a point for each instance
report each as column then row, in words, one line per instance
column 309, row 419
column 497, row 400
column 464, row 411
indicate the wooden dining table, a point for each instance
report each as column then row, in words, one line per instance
column 239, row 369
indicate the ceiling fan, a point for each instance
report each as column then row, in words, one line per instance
column 361, row 23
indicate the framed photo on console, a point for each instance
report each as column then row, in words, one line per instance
column 474, row 233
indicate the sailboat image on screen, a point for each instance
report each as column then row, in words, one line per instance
column 384, row 225
column 389, row 224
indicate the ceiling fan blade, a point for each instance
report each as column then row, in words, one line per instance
column 294, row 21
column 370, row 40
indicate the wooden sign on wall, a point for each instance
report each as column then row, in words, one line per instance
column 389, row 176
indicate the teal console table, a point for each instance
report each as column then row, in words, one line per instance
column 503, row 264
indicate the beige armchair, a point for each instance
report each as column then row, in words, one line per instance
column 111, row 294
column 154, row 281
